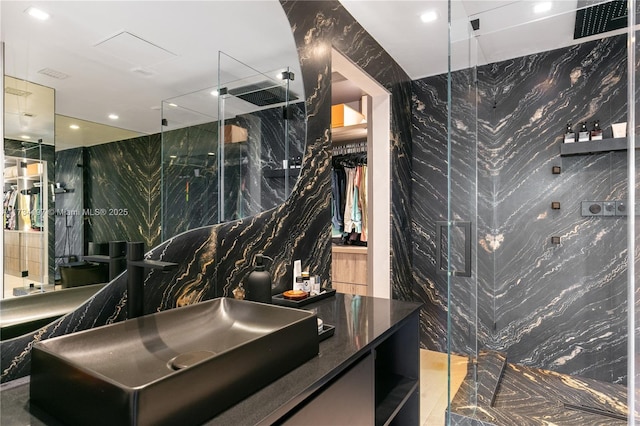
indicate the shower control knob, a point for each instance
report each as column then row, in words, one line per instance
column 595, row 208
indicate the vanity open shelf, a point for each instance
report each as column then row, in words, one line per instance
column 591, row 147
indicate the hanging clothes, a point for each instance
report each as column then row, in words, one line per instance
column 338, row 183
column 36, row 209
column 349, row 199
column 362, row 201
column 348, row 208
column 356, row 214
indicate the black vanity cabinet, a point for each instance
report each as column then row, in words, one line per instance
column 367, row 373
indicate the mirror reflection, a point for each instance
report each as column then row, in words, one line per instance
column 228, row 151
column 102, row 159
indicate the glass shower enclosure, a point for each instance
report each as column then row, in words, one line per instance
column 227, row 149
column 540, row 213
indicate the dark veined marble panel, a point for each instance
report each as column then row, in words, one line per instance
column 531, row 396
column 213, row 260
column 191, row 178
column 328, row 24
column 555, row 307
column 559, row 307
column 190, row 181
column 122, row 182
column 429, row 192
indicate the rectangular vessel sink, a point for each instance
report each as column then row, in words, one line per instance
column 181, row 366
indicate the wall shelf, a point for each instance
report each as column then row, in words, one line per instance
column 591, row 147
column 347, row 133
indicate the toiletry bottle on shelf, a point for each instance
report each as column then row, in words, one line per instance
column 259, row 282
column 297, row 273
column 583, row 134
column 569, row 135
column 596, row 132
column 306, row 281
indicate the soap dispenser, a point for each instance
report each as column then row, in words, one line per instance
column 583, row 134
column 258, row 288
column 569, row 134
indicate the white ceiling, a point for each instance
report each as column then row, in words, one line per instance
column 164, row 49
column 125, row 57
column 508, row 29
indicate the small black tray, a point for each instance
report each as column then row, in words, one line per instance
column 279, row 299
column 327, row 331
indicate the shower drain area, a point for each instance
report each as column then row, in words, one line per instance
column 530, row 396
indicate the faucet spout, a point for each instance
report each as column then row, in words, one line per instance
column 136, row 264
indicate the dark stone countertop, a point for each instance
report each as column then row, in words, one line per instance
column 360, row 322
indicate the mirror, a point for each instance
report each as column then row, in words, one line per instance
column 28, row 168
column 241, row 137
column 125, row 65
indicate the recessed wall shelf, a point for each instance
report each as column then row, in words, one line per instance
column 591, row 147
column 347, row 133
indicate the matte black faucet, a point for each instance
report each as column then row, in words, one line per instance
column 136, row 264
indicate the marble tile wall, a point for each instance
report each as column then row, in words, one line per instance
column 194, row 204
column 190, row 197
column 122, row 190
column 559, row 307
column 216, row 259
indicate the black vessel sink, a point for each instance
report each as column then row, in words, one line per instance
column 181, row 366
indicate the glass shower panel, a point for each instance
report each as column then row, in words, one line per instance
column 458, row 233
column 258, row 113
column 228, row 150
column 189, row 162
column 545, row 217
column 633, row 230
column 25, row 219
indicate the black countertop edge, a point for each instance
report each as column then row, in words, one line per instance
column 356, row 333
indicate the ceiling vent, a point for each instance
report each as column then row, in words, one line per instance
column 134, row 49
column 16, row 92
column 599, row 18
column 53, row 73
column 263, row 93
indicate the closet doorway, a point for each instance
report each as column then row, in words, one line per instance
column 360, row 140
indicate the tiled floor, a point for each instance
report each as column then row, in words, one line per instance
column 433, row 384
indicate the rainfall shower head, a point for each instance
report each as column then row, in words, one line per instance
column 263, row 93
column 599, row 18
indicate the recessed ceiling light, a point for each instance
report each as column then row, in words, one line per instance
column 173, row 156
column 113, row 116
column 542, row 7
column 49, row 72
column 25, row 137
column 173, row 105
column 37, row 13
column 214, row 93
column 74, row 126
column 429, row 16
column 211, row 153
